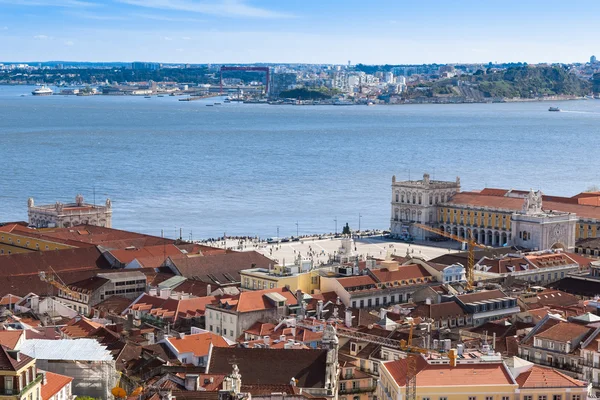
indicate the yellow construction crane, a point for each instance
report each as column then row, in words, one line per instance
column 53, row 279
column 412, row 354
column 471, row 244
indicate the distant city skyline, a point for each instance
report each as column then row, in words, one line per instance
column 320, row 32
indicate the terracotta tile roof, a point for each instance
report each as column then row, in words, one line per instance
column 516, row 204
column 256, row 300
column 261, row 329
column 88, row 285
column 550, row 260
column 198, row 344
column 9, row 299
column 272, row 366
column 506, row 264
column 54, row 383
column 404, row 272
column 30, row 264
column 445, row 375
column 481, row 296
column 220, row 268
column 149, row 256
column 553, row 297
column 10, row 338
column 439, row 311
column 564, row 332
column 541, row 377
column 267, row 390
column 108, row 238
column 173, row 309
column 7, row 363
column 80, row 327
column 113, row 305
column 356, row 281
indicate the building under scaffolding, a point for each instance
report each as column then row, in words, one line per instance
column 88, row 362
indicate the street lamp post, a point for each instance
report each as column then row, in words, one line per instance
column 277, row 231
column 335, row 219
column 359, row 217
column 297, row 231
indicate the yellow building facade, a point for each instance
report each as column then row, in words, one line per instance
column 13, row 243
column 260, row 278
column 19, row 379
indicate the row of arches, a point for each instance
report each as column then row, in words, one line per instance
column 488, row 237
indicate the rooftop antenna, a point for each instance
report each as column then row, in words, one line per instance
column 94, row 196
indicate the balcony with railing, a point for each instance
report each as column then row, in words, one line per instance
column 363, row 389
column 16, row 391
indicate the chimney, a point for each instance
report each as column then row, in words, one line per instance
column 348, row 318
column 208, row 289
column 153, row 292
column 282, row 338
column 44, row 380
column 300, row 299
column 267, row 340
column 452, row 356
column 428, row 301
column 319, row 308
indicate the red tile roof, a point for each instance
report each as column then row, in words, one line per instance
column 564, row 332
column 516, row 204
column 542, row 377
column 481, row 296
column 355, row 281
column 10, row 338
column 54, row 383
column 404, row 272
column 149, row 256
column 220, row 268
column 258, row 300
column 445, row 375
column 199, row 344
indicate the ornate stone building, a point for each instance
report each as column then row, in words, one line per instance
column 537, row 229
column 61, row 215
column 495, row 217
column 418, row 201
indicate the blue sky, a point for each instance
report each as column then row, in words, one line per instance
column 309, row 31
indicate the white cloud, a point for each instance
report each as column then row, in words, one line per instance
column 69, row 43
column 225, row 8
column 41, row 37
column 186, row 38
column 167, row 38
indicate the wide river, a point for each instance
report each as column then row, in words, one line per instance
column 247, row 169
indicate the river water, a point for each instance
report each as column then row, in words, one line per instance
column 246, row 169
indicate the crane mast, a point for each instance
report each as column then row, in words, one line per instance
column 471, row 244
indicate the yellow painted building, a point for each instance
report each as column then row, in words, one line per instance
column 279, row 277
column 19, row 379
column 13, row 243
column 479, row 381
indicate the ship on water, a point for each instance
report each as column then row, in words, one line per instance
column 42, row 91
